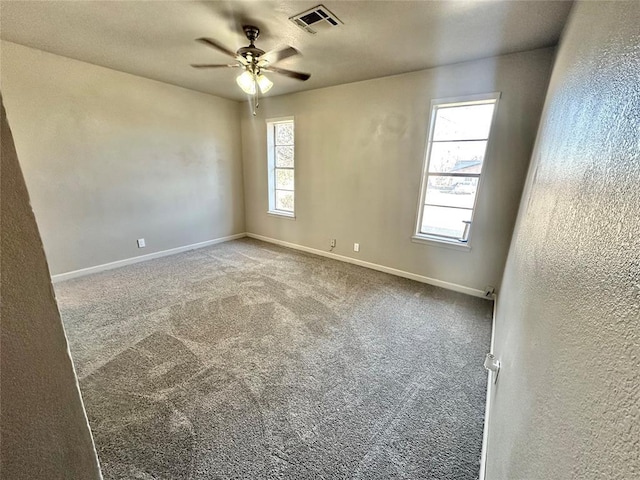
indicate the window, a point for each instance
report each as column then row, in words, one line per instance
column 281, row 153
column 458, row 137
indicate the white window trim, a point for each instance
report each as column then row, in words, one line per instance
column 417, row 236
column 281, row 214
column 440, row 242
column 271, row 165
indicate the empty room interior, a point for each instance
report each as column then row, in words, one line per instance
column 338, row 240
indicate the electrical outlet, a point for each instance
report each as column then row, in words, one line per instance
column 141, row 243
column 333, row 242
column 356, row 247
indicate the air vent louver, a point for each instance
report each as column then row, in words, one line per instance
column 320, row 17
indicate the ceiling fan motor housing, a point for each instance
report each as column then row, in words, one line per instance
column 251, row 32
column 251, row 51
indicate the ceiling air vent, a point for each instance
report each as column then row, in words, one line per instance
column 316, row 19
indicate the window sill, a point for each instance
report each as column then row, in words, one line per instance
column 276, row 213
column 439, row 242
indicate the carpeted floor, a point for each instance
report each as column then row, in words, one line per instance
column 250, row 361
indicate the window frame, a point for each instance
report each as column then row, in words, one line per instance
column 271, row 167
column 467, row 100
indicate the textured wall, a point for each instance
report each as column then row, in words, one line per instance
column 359, row 154
column 110, row 157
column 45, row 435
column 567, row 403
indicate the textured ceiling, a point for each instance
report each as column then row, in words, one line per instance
column 378, row 38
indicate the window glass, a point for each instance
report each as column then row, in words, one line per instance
column 284, row 200
column 463, row 122
column 284, row 156
column 284, row 133
column 284, row 179
column 455, row 157
column 452, row 191
column 281, row 160
column 445, row 221
column 459, row 157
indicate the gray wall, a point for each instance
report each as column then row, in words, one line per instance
column 359, row 154
column 567, row 401
column 44, row 430
column 110, row 157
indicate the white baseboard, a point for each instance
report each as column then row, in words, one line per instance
column 142, row 258
column 374, row 266
column 487, row 409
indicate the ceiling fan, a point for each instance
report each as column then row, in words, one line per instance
column 254, row 62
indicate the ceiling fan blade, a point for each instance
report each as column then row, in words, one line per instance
column 274, row 56
column 216, row 46
column 288, row 73
column 214, row 65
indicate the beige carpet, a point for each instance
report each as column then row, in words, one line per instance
column 246, row 360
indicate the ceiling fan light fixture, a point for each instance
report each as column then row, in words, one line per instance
column 264, row 83
column 247, row 82
column 252, row 60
